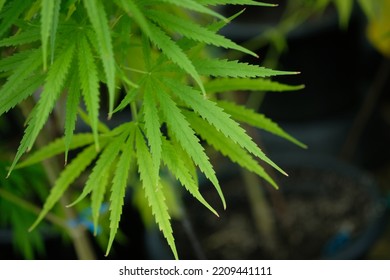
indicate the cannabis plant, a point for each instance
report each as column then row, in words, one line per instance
column 156, row 60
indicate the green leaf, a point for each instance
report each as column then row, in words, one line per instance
column 194, row 31
column 227, row 147
column 152, row 125
column 54, row 85
column 89, row 82
column 98, row 18
column 24, row 90
column 49, row 20
column 174, row 52
column 9, row 94
column 12, row 62
column 107, row 157
column 235, row 2
column 130, row 97
column 132, row 9
column 234, row 69
column 180, row 128
column 217, row 117
column 153, row 192
column 119, row 185
column 194, row 6
column 344, row 8
column 180, row 170
column 72, row 104
column 25, row 37
column 248, row 116
column 2, row 2
column 97, row 196
column 228, row 84
column 55, row 78
column 67, row 177
column 57, row 147
column 11, row 13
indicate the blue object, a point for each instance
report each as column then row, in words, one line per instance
column 85, row 219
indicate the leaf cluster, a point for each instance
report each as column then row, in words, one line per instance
column 149, row 58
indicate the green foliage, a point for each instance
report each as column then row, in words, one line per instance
column 151, row 58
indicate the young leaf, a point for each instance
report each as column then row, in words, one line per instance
column 180, row 128
column 228, row 84
column 153, row 192
column 89, row 82
column 234, row 69
column 98, row 18
column 180, row 170
column 227, row 147
column 119, row 184
column 67, row 177
column 245, row 115
column 194, row 31
column 57, row 147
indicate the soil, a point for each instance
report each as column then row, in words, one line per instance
column 323, row 212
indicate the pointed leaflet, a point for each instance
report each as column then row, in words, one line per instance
column 180, row 170
column 98, row 18
column 12, row 62
column 153, row 192
column 181, row 130
column 235, row 2
column 234, row 68
column 152, row 125
column 67, row 177
column 89, row 84
column 194, row 6
column 26, row 36
column 53, row 86
column 227, row 147
column 107, row 157
column 49, row 19
column 55, row 148
column 24, row 90
column 97, row 197
column 194, row 31
column 245, row 115
column 228, row 84
column 72, row 104
column 9, row 94
column 132, row 9
column 217, row 117
column 119, row 184
column 173, row 52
